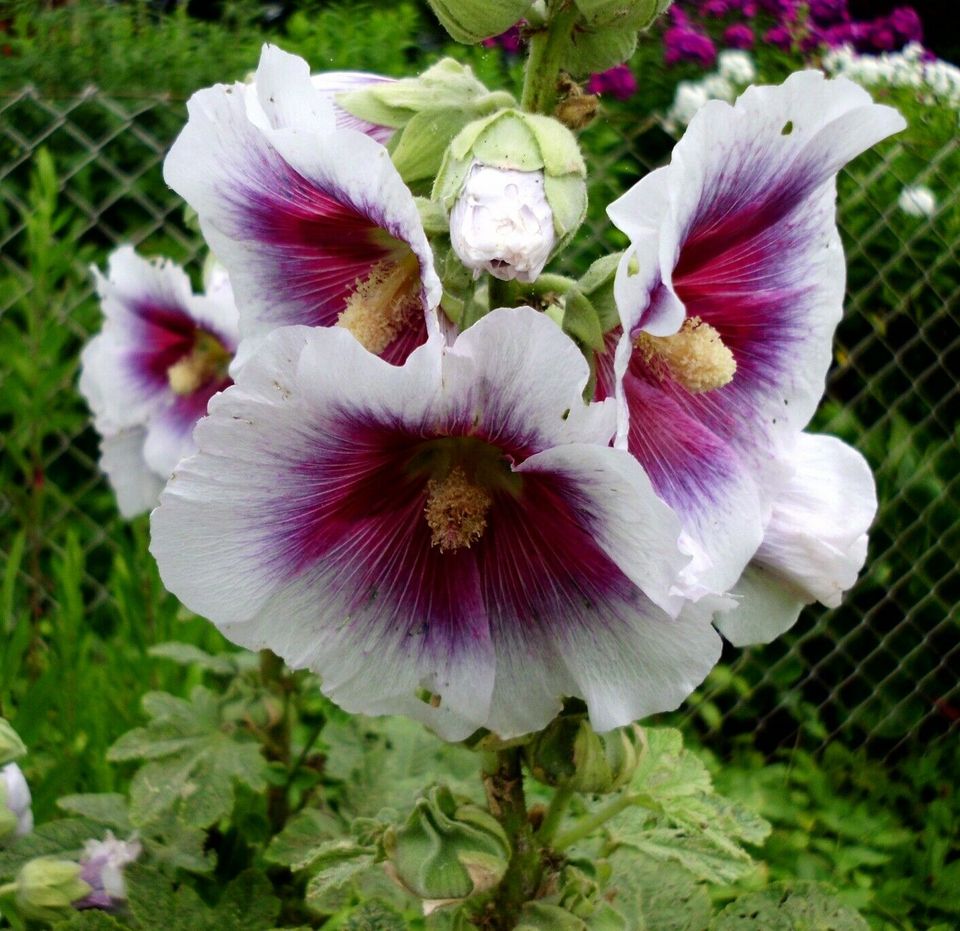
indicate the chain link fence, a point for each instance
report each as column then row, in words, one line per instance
column 881, row 669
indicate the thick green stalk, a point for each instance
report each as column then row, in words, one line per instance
column 587, row 825
column 547, row 49
column 503, row 782
column 554, row 816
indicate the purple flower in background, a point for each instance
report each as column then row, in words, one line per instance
column 510, row 41
column 682, row 43
column 828, row 12
column 905, row 22
column 882, row 36
column 779, row 36
column 619, row 82
column 716, row 7
column 739, row 35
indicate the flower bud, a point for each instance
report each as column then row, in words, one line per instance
column 16, row 816
column 11, row 746
column 446, row 851
column 46, row 888
column 471, row 21
column 514, row 186
column 571, row 754
column 101, row 868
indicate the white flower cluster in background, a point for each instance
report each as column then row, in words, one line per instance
column 917, row 200
column 735, row 70
column 906, row 68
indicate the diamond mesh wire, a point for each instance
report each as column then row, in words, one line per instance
column 881, row 668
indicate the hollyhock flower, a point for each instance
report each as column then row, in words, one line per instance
column 311, row 219
column 333, row 83
column 738, row 36
column 162, row 354
column 813, row 546
column 729, row 296
column 452, row 539
column 101, row 868
column 16, row 815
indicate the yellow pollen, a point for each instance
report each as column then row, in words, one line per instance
column 456, row 511
column 695, row 357
column 383, row 304
column 206, row 361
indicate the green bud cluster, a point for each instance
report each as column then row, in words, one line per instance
column 46, row 887
column 446, row 850
column 570, row 754
column 11, row 746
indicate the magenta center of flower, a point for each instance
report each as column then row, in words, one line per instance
column 207, row 361
column 463, row 475
column 384, row 304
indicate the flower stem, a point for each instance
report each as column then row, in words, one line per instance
column 586, row 826
column 276, row 744
column 547, row 48
column 555, row 812
column 503, row 782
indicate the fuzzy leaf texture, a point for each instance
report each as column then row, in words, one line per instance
column 195, row 758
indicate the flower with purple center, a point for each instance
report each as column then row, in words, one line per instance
column 309, row 215
column 147, row 377
column 729, row 296
column 452, row 539
column 101, row 868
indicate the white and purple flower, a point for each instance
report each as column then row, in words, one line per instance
column 162, row 354
column 307, row 213
column 814, row 544
column 729, row 295
column 101, row 868
column 16, row 813
column 453, row 538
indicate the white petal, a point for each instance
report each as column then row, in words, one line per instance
column 135, row 484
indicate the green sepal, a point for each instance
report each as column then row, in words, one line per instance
column 625, row 14
column 446, row 850
column 447, row 84
column 11, row 746
column 597, row 50
column 581, row 321
column 539, row 916
column 46, row 887
column 569, row 753
column 472, row 21
column 417, row 150
column 597, row 284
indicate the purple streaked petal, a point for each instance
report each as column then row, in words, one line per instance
column 299, row 218
column 333, row 83
column 134, row 483
column 300, row 524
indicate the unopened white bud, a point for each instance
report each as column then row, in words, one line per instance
column 502, row 223
column 16, row 816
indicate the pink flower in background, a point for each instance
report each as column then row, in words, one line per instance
column 618, row 82
column 682, row 43
column 738, row 36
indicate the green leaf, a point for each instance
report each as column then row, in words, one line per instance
column 657, row 896
column 705, row 854
column 335, row 875
column 797, row 906
column 247, row 904
column 107, row 808
column 186, row 654
column 197, row 754
column 89, row 920
column 300, row 842
column 63, row 838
